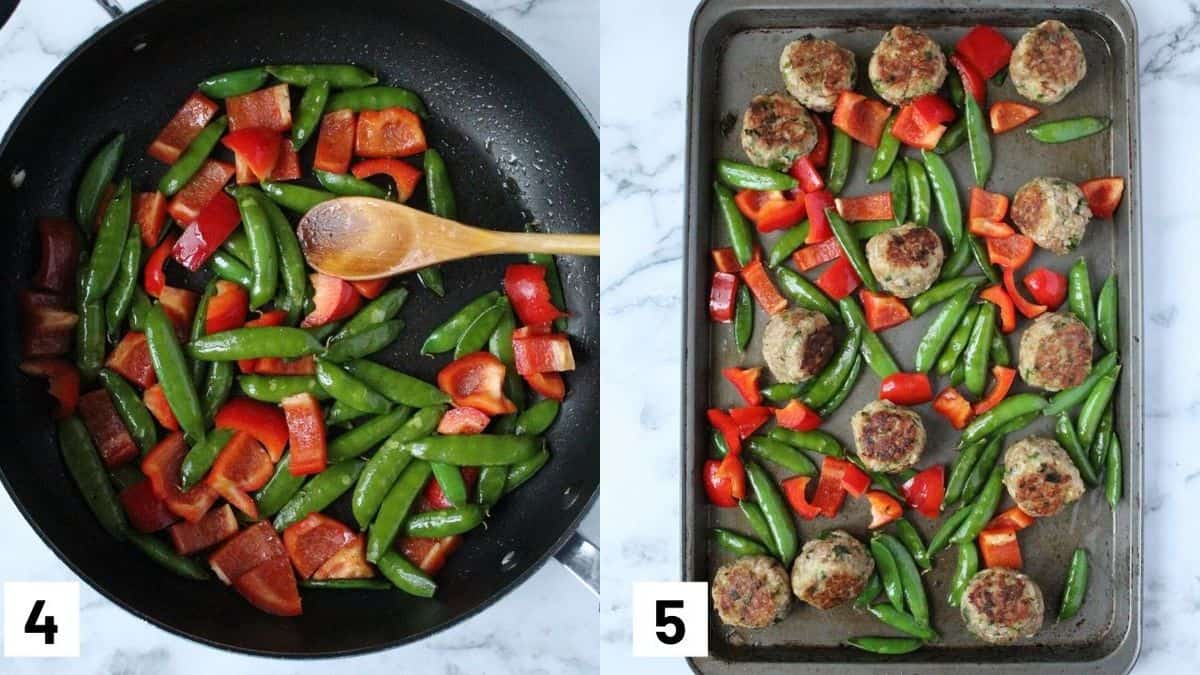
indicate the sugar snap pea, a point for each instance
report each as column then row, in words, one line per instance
column 960, row 470
column 777, row 452
column 341, row 76
column 941, row 538
column 217, row 386
column 298, row 198
column 275, row 388
column 737, row 544
column 879, row 480
column 293, row 271
column 138, row 307
column 345, row 184
column 405, row 575
column 1076, row 585
column 869, row 593
column 363, row 343
column 446, row 336
column 979, row 347
column 366, row 435
column 1114, row 472
column 389, row 461
column 484, row 450
column 395, row 507
column 450, row 479
column 98, row 174
column 740, row 236
column 340, row 413
column 758, row 523
column 953, row 139
column 908, row 535
column 844, row 391
column 979, row 140
column 1096, row 405
column 910, row 578
column 920, row 201
column 383, row 308
column 1069, row 398
column 226, row 266
column 347, row 584
column 940, row 292
column 964, row 570
column 999, row 350
column 787, row 244
column 989, row 456
column 396, row 386
column 309, row 111
column 201, row 456
column 1064, row 431
column 775, row 511
column 885, row 567
column 782, row 392
column 1079, row 294
column 956, row 375
column 105, row 260
column 440, row 193
column 255, row 342
column 264, row 253
column 903, row 622
column 815, row 441
column 743, row 318
column 954, row 85
column 475, row 337
column 748, row 177
column 840, row 149
column 234, row 82
column 490, row 485
column 200, row 328
column 958, row 341
column 938, row 333
column 171, row 367
column 983, row 507
column 945, row 193
column 192, row 158
column 535, row 420
column 806, row 294
column 826, row 385
column 280, row 489
column 1100, row 442
column 885, row 153
column 376, row 98
column 956, row 262
column 83, row 463
column 160, row 552
column 874, row 352
column 866, row 229
column 319, row 492
column 133, row 412
column 1062, row 131
column 89, row 340
column 852, row 249
column 120, row 296
column 980, row 254
column 899, row 185
column 522, row 471
column 1106, row 314
column 893, row 646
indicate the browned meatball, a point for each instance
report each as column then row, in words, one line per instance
column 1040, row 476
column 776, row 130
column 1047, row 63
column 797, row 344
column 1000, row 605
column 816, row 72
column 751, row 592
column 906, row 64
column 889, row 438
column 1055, row 352
column 831, row 570
column 906, row 260
column 1052, row 212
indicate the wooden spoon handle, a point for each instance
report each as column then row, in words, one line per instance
column 558, row 244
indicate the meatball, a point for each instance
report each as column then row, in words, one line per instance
column 776, row 130
column 1047, row 63
column 751, row 592
column 889, row 438
column 797, row 344
column 1052, row 212
column 1055, row 352
column 906, row 260
column 816, row 71
column 831, row 570
column 905, row 65
column 1000, row 605
column 1040, row 476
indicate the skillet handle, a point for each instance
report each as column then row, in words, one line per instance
column 582, row 558
column 114, row 10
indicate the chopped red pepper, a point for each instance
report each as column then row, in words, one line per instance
column 876, row 206
column 990, row 205
column 476, row 381
column 161, row 465
column 102, row 207
column 763, row 289
column 542, row 353
column 335, row 142
column 211, row 529
column 274, row 317
column 934, row 109
column 243, row 466
column 207, row 183
column 1014, row 518
column 985, row 49
column 1004, row 381
column 264, row 421
column 525, row 285
column 1010, row 252
column 1008, row 314
column 183, row 127
column 392, row 132
column 179, row 304
column 150, row 214
column 745, row 380
column 547, row 385
column 405, row 175
column 911, row 128
column 806, row 174
column 333, row 299
column 1000, row 548
column 830, row 491
column 854, row 480
column 251, row 547
column 733, row 470
column 862, row 119
column 429, row 554
column 227, row 308
column 106, row 428
column 371, row 288
column 722, row 297
column 769, row 210
column 131, row 360
column 820, row 152
column 435, row 499
column 313, row 541
column 272, row 365
column 1047, row 287
column 259, row 148
column 728, row 428
column 154, row 277
column 212, row 226
column 59, row 245
column 973, row 82
column 884, row 508
column 156, row 401
column 269, row 108
column 1103, row 195
column 272, row 588
column 951, row 405
column 1026, row 308
column 839, row 279
column 793, row 491
column 989, row 229
column 286, row 168
column 906, row 388
column 147, row 513
column 816, row 255
column 815, row 204
column 925, row 491
column 463, row 421
column 47, row 328
column 797, row 416
column 1008, row 115
column 348, row 563
column 725, row 260
column 748, row 419
column 62, row 382
column 882, row 310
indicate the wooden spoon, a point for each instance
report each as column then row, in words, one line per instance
column 364, row 238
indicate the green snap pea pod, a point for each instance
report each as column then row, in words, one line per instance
column 873, row 350
column 440, row 192
column 1009, row 409
column 852, row 249
column 920, row 201
column 737, row 544
column 979, row 140
column 538, row 418
column 120, row 297
column 953, row 139
column 1075, row 587
column 908, row 535
column 280, row 489
column 83, row 463
column 869, row 228
column 201, row 456
column 1064, row 431
column 341, row 76
column 889, row 575
column 758, row 523
column 956, row 263
column 451, row 481
column 978, row 477
column 1000, row 78
column 347, row 185
column 885, row 154
column 963, row 464
column 396, row 386
column 893, row 646
column 275, row 388
column 964, row 570
column 740, row 236
column 1099, row 446
column 869, row 593
column 133, row 412
column 1079, row 294
column 1069, row 398
column 910, row 578
column 296, row 198
column 446, row 336
column 395, row 507
column 743, row 318
column 840, row 148
column 475, row 337
column 293, row 271
column 938, row 333
column 899, row 184
column 815, row 441
column 445, row 522
column 826, row 385
column 782, row 392
column 945, row 193
column 200, row 327
column 483, row 450
column 226, row 266
column 958, row 95
column 171, row 367
column 778, row 452
column 234, row 82
column 192, row 158
column 979, row 253
column 787, row 244
column 383, row 308
column 365, row 343
column 318, row 493
column 983, row 508
column 309, row 111
column 500, row 344
column 999, row 350
column 879, row 480
column 490, row 486
column 806, row 294
column 96, row 176
column 255, row 342
column 958, row 341
column 942, row 291
column 340, row 413
column 941, row 538
column 217, row 387
column 376, row 98
column 105, row 259
column 979, row 347
column 1106, row 314
column 957, row 375
column 522, row 471
column 1114, row 473
column 903, row 622
column 320, row 333
column 238, row 244
column 748, row 177
column 347, row 584
column 776, row 512
column 366, row 435
column 264, row 254
column 844, row 391
column 1095, row 406
column 160, row 552
column 405, row 575
column 137, row 310
column 1062, row 131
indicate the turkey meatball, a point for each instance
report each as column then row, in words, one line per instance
column 831, row 570
column 1055, row 352
column 1052, row 212
column 1040, row 476
column 1047, row 63
column 751, row 592
column 776, row 130
column 905, row 65
column 797, row 343
column 888, row 438
column 1000, row 605
column 905, row 260
column 816, row 72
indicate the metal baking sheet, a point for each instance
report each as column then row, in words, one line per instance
column 735, row 48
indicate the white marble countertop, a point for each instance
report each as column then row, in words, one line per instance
column 642, row 135
column 547, row 625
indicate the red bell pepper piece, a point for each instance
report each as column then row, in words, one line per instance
column 106, row 428
column 272, row 588
column 313, row 541
column 733, row 470
column 305, row 427
column 855, row 481
column 989, row 229
column 243, row 466
column 1103, row 194
column 769, row 210
column 1010, row 252
column 990, row 205
column 59, row 245
column 274, row 317
column 1047, row 287
column 183, row 127
column 876, row 206
column 974, row 83
column 884, row 508
column 716, row 486
column 797, row 416
column 150, row 214
column 47, row 327
column 542, row 353
column 435, row 500
column 763, row 289
column 806, row 174
column 1014, row 518
column 286, row 168
column 820, row 152
column 1000, row 548
column 476, row 381
column 464, row 421
column 815, row 204
column 934, row 109
column 816, row 255
column 862, row 119
column 131, row 360
column 213, row 528
column 271, row 365
column 208, row 182
column 722, row 296
column 429, row 554
column 1008, row 314
column 62, row 382
column 154, row 277
column 925, row 491
column 793, row 491
column 725, row 260
column 547, row 385
column 102, row 207
column 348, row 563
column 264, row 422
column 251, row 547
column 745, row 380
column 147, row 513
column 839, row 279
column 257, row 147
column 1004, row 381
column 405, row 175
column 156, row 401
column 212, row 226
column 161, row 466
column 906, row 388
column 1026, row 308
column 724, row 423
column 830, row 491
column 227, row 308
column 371, row 288
column 180, row 307
column 525, row 285
column 1008, row 115
column 269, row 108
column 335, row 142
column 333, row 298
column 985, row 49
column 392, row 132
column 951, row 405
column 749, row 418
column 883, row 311
column 911, row 128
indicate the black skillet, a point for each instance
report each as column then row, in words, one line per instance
column 519, row 146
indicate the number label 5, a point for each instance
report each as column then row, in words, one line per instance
column 670, row 619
